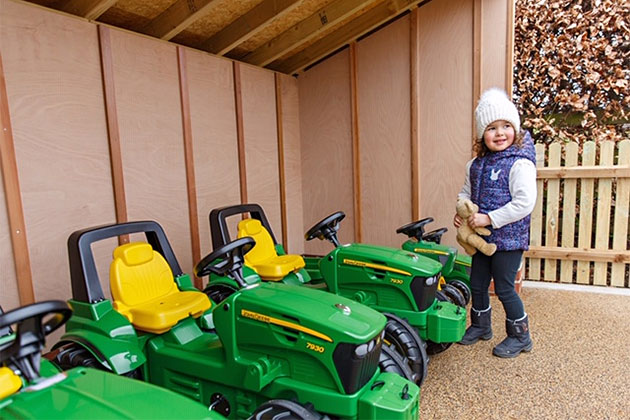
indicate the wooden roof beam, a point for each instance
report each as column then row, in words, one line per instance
column 247, row 26
column 89, row 9
column 305, row 30
column 344, row 35
column 177, row 17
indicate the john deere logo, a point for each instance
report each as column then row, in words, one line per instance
column 343, row 308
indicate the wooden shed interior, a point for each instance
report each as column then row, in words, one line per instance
column 132, row 110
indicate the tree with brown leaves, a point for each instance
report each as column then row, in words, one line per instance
column 572, row 69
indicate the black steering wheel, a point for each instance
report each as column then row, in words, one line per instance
column 231, row 256
column 24, row 351
column 435, row 235
column 326, row 228
column 415, row 229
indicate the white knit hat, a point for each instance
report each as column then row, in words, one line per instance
column 495, row 105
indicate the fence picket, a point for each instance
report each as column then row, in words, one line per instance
column 602, row 225
column 622, row 213
column 551, row 211
column 586, row 212
column 568, row 212
column 535, row 236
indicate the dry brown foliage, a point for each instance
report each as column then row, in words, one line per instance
column 572, row 68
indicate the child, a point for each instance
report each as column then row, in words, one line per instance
column 501, row 180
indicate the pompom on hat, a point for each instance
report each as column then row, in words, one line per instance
column 494, row 105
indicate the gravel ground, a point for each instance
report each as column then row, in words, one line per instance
column 579, row 367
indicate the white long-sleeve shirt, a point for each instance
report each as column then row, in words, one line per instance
column 522, row 189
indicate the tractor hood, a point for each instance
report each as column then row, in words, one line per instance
column 387, row 259
column 311, row 312
column 83, row 393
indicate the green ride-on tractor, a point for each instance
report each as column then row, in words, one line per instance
column 34, row 388
column 266, row 351
column 455, row 286
column 400, row 284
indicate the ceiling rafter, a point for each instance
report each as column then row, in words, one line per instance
column 305, row 30
column 178, row 17
column 89, row 9
column 344, row 35
column 247, row 26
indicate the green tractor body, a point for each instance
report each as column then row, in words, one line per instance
column 82, row 393
column 455, row 285
column 393, row 281
column 389, row 280
column 264, row 341
column 455, row 266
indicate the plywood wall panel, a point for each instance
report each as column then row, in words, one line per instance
column 53, row 78
column 384, row 133
column 212, row 112
column 261, row 142
column 494, row 42
column 292, row 164
column 445, row 107
column 326, row 143
column 151, row 138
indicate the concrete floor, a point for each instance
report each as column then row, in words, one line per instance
column 579, row 367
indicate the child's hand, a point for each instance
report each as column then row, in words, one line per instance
column 457, row 221
column 478, row 220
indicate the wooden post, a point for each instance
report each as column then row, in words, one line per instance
column 13, row 197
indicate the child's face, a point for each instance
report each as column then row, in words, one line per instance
column 498, row 136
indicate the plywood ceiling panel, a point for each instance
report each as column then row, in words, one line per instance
column 267, row 33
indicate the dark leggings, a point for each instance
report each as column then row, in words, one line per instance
column 502, row 267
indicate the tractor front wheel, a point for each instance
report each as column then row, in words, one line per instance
column 406, row 341
column 462, row 287
column 454, row 295
column 391, row 361
column 285, row 409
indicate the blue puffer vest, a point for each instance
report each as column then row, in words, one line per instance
column 490, row 189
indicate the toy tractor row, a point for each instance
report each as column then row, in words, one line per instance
column 400, row 284
column 455, row 267
column 266, row 351
column 33, row 388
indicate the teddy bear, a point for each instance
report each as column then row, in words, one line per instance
column 468, row 237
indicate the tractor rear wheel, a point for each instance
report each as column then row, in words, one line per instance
column 406, row 341
column 391, row 361
column 75, row 355
column 285, row 409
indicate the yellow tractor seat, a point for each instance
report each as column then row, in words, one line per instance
column 145, row 292
column 263, row 257
column 10, row 383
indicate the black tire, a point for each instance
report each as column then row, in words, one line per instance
column 435, row 348
column 391, row 361
column 284, row 410
column 462, row 287
column 454, row 295
column 406, row 341
column 219, row 292
column 441, row 296
column 75, row 355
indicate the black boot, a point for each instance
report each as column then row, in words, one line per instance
column 480, row 327
column 517, row 339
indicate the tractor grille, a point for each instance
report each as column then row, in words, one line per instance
column 356, row 364
column 423, row 290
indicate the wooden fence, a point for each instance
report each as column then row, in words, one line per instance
column 579, row 229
